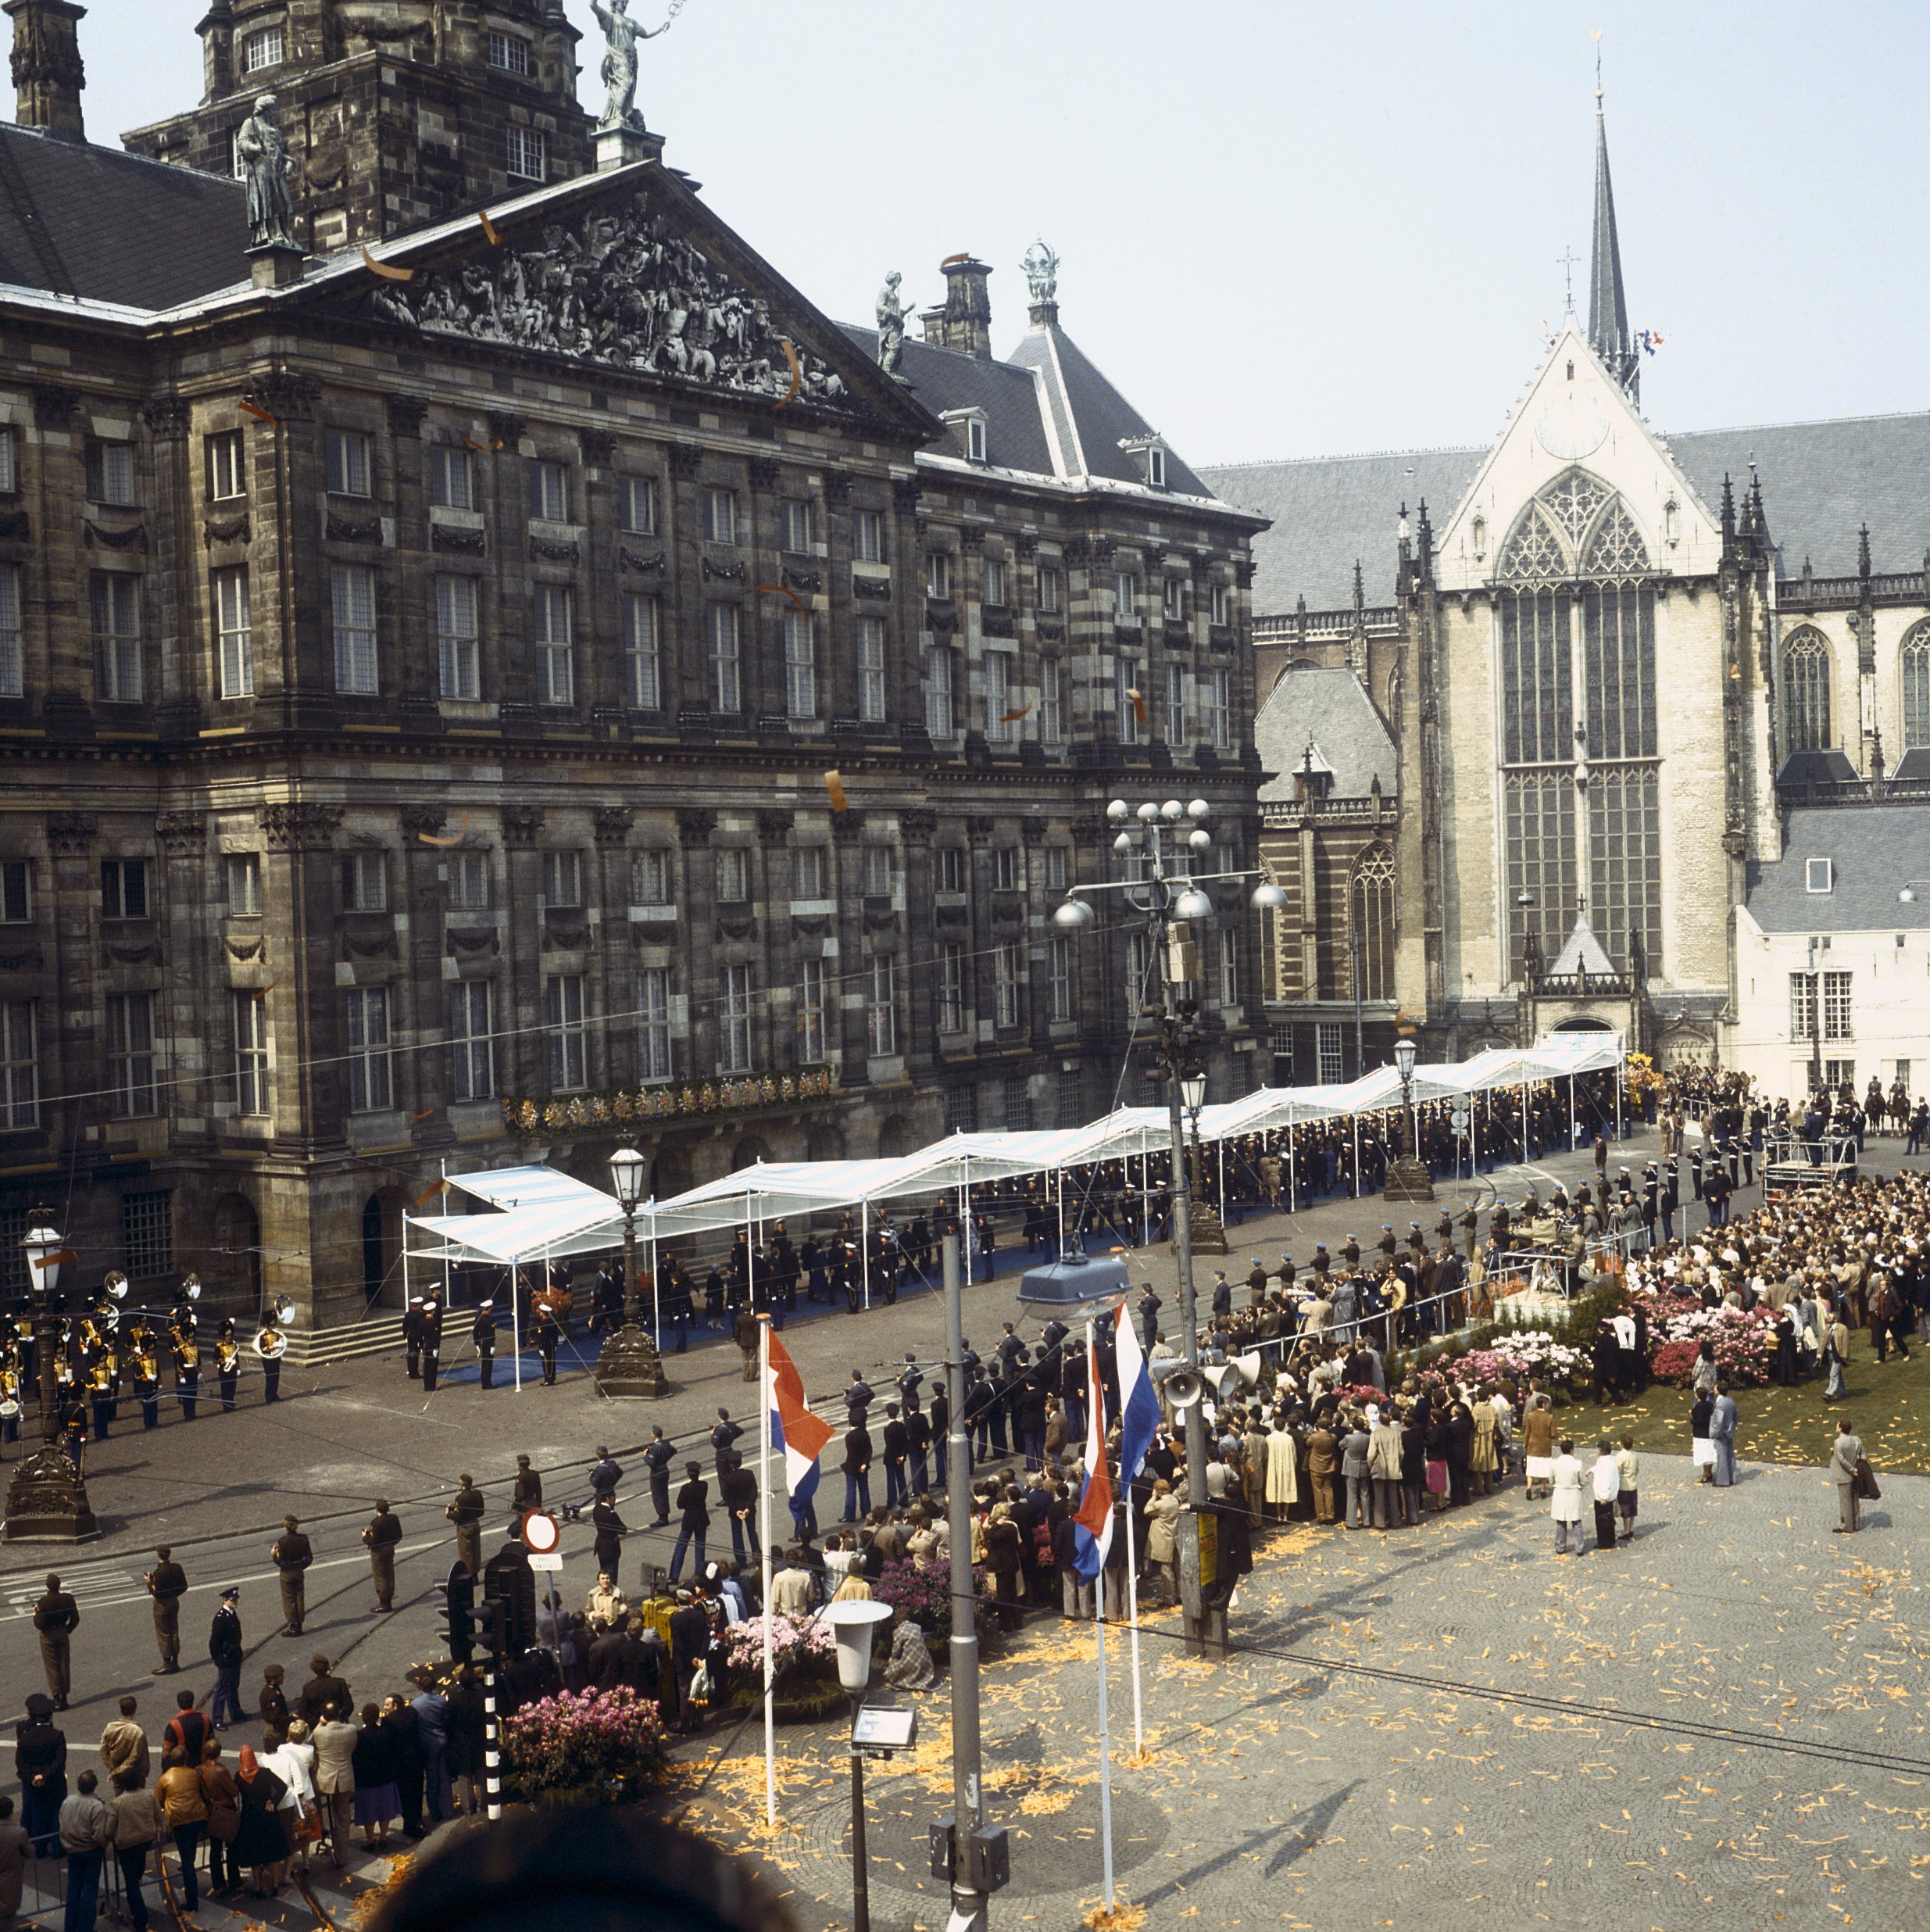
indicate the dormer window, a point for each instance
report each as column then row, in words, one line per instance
column 969, row 426
column 261, row 48
column 1149, row 455
column 509, row 53
column 1156, row 468
column 1819, row 875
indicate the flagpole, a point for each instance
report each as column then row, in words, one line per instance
column 763, row 1515
column 1097, row 1433
column 1132, row 1612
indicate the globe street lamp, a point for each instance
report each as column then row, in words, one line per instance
column 1170, row 900
column 630, row 1364
column 47, row 1499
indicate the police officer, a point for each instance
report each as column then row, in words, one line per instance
column 658, row 1458
column 529, row 1487
column 484, row 1334
column 431, row 1343
column 291, row 1553
column 55, row 1617
column 467, row 1513
column 384, row 1533
column 910, row 1380
column 723, row 1434
column 167, row 1583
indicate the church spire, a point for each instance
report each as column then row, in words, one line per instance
column 1608, row 315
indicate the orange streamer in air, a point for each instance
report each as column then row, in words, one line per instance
column 834, row 785
column 383, row 269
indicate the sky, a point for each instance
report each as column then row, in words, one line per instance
column 1291, row 229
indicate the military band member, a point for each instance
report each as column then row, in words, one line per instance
column 483, row 1333
column 145, row 1371
column 100, row 1389
column 187, row 1377
column 382, row 1535
column 184, row 1324
column 227, row 1365
column 271, row 1345
column 167, row 1583
column 291, row 1553
column 431, row 1343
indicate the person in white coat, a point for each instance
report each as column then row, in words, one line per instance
column 1565, row 1476
column 1605, row 1478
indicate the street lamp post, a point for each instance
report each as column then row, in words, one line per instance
column 1407, row 1177
column 630, row 1364
column 1172, row 904
column 47, row 1499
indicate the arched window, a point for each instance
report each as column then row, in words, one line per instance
column 374, row 1255
column 1806, row 691
column 1371, row 900
column 1534, row 554
column 1916, row 670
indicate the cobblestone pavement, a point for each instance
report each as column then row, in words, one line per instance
column 1720, row 1726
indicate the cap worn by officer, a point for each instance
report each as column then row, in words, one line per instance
column 232, row 1594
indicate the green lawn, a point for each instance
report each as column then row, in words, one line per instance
column 1888, row 1405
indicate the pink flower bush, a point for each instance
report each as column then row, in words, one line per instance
column 801, row 1642
column 585, row 1747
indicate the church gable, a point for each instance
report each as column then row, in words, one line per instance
column 1578, row 484
column 631, row 276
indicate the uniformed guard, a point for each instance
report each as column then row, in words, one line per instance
column 412, row 1337
column 227, row 1372
column 658, row 1458
column 291, row 1553
column 529, row 1488
column 467, row 1513
column 270, row 1344
column 547, row 1336
column 55, row 1617
column 484, row 1334
column 382, row 1535
column 431, row 1343
column 167, row 1583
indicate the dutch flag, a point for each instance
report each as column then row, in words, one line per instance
column 1092, row 1525
column 1139, row 1407
column 795, row 1431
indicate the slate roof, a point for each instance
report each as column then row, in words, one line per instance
column 1329, row 706
column 1820, row 482
column 78, row 219
column 1581, row 952
column 1874, row 848
column 1049, row 411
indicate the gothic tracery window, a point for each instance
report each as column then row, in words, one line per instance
column 1616, row 549
column 1806, row 691
column 1573, row 499
column 1370, row 903
column 1534, row 553
column 1915, row 666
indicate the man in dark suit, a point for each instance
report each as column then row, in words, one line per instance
column 657, row 1459
column 897, row 1448
column 55, row 1617
column 694, row 1512
column 857, row 1474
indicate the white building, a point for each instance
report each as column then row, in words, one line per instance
column 1833, row 964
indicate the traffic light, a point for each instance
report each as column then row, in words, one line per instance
column 459, row 1596
column 491, row 1626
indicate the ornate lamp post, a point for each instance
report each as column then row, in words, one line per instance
column 1171, row 902
column 47, row 1499
column 1407, row 1177
column 630, row 1364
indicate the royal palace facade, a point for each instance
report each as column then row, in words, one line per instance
column 506, row 675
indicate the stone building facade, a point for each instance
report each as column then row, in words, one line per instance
column 1611, row 663
column 557, row 692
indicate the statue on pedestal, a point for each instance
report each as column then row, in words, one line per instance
column 262, row 150
column 621, row 36
column 1042, row 273
column 890, row 314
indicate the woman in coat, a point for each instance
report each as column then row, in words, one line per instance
column 1162, row 1538
column 1483, row 1461
column 262, row 1844
column 1460, row 1453
column 378, row 1795
column 184, row 1813
column 294, row 1763
column 1566, row 1477
column 1004, row 1559
column 1283, row 1483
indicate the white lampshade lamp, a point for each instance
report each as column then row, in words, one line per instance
column 853, row 1621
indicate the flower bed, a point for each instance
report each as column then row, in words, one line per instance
column 1745, row 1342
column 922, row 1592
column 804, row 1656
column 583, row 1747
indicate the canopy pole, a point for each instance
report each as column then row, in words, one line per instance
column 763, row 1515
column 1060, row 1178
column 1145, row 1196
column 1293, row 1175
column 864, row 1246
column 1223, row 1181
column 1355, row 1119
column 1575, row 1132
column 656, row 1293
